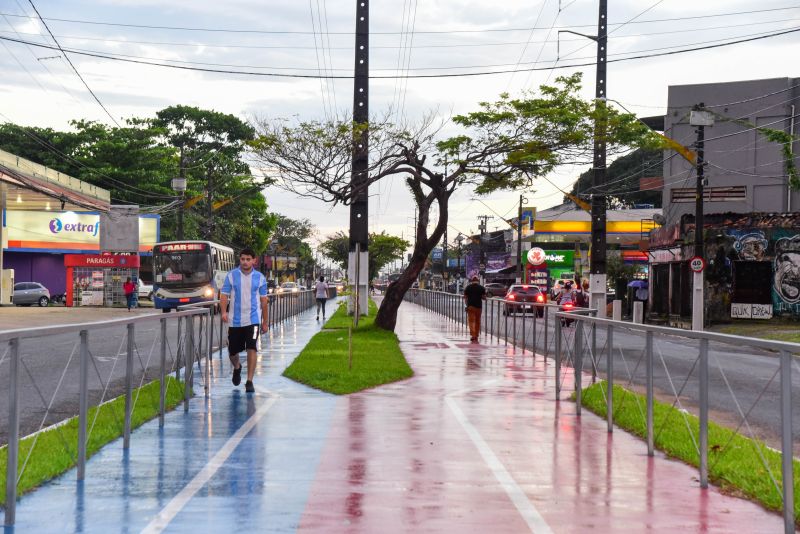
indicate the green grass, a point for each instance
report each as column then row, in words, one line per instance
column 772, row 329
column 734, row 462
column 50, row 456
column 377, row 358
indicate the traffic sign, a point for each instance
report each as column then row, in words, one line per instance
column 697, row 264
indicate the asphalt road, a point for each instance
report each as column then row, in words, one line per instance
column 742, row 380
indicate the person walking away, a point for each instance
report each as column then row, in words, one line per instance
column 246, row 290
column 474, row 295
column 581, row 294
column 321, row 290
column 129, row 288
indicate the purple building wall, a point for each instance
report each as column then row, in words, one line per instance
column 47, row 269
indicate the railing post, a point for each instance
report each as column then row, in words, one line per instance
column 513, row 329
column 162, row 374
column 610, row 377
column 524, row 316
column 787, row 467
column 558, row 355
column 188, row 372
column 83, row 403
column 210, row 333
column 595, row 359
column 649, row 369
column 126, row 438
column 178, row 351
column 222, row 328
column 577, row 366
column 546, row 333
column 13, row 433
column 704, row 413
column 533, row 333
column 505, row 321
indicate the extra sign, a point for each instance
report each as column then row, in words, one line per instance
column 697, row 264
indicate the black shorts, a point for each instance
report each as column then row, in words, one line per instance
column 242, row 338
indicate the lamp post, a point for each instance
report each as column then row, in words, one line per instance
column 459, row 239
column 179, row 186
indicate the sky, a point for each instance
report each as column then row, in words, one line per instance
column 408, row 37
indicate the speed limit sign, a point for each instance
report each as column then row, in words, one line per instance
column 697, row 264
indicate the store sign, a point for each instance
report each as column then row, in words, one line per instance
column 536, row 256
column 44, row 230
column 180, row 247
column 103, row 261
column 751, row 311
column 553, row 258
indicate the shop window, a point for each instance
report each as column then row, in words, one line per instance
column 752, row 282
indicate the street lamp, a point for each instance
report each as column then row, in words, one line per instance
column 459, row 239
column 179, row 186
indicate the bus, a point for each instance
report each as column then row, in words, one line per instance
column 185, row 272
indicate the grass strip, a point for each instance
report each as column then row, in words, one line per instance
column 734, row 462
column 51, row 458
column 377, row 358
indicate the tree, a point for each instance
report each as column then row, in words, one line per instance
column 505, row 145
column 383, row 249
column 622, row 179
column 290, row 238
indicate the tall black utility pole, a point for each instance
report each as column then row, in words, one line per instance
column 699, row 223
column 359, row 230
column 482, row 228
column 701, row 118
column 597, row 264
column 520, row 270
column 444, row 260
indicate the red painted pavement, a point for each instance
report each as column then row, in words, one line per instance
column 398, row 459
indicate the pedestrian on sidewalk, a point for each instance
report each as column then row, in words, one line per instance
column 474, row 295
column 129, row 288
column 322, row 296
column 246, row 290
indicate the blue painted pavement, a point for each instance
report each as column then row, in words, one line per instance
column 262, row 480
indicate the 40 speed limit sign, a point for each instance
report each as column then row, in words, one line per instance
column 697, row 264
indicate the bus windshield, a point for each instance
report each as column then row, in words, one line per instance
column 182, row 268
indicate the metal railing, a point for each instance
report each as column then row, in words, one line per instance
column 615, row 350
column 43, row 370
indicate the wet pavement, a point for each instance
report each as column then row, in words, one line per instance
column 474, row 442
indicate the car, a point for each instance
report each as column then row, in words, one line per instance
column 524, row 298
column 288, row 287
column 27, row 293
column 496, row 289
column 144, row 290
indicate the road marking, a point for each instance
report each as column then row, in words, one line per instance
column 525, row 507
column 168, row 513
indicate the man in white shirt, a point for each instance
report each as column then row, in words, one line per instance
column 246, row 290
column 321, row 291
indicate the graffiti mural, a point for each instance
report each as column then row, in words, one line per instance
column 786, row 283
column 750, row 245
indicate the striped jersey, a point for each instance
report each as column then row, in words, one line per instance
column 245, row 292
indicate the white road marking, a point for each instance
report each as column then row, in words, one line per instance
column 525, row 507
column 168, row 513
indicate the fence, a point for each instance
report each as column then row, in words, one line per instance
column 55, row 373
column 746, row 383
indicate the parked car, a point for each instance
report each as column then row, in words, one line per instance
column 27, row 293
column 496, row 289
column 144, row 290
column 524, row 298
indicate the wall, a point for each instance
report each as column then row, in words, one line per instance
column 47, row 269
column 756, row 163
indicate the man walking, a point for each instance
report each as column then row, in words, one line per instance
column 474, row 295
column 246, row 290
column 321, row 292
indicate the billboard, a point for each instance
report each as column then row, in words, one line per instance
column 54, row 231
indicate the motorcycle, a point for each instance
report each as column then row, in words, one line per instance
column 567, row 307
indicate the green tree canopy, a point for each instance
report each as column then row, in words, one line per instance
column 383, row 249
column 622, row 179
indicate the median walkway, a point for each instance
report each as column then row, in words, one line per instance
column 474, row 442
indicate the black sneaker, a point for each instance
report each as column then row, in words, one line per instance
column 248, row 387
column 237, row 376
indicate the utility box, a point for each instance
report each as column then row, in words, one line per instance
column 7, row 293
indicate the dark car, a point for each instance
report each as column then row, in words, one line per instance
column 27, row 293
column 496, row 289
column 524, row 298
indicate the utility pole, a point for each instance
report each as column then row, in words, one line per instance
column 597, row 264
column 444, row 260
column 359, row 208
column 482, row 228
column 700, row 118
column 522, row 201
column 182, row 178
column 459, row 239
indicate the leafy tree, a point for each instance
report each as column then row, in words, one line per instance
column 622, row 179
column 504, row 145
column 383, row 249
column 290, row 237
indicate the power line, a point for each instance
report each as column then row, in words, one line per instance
column 432, row 32
column 66, row 57
column 416, row 76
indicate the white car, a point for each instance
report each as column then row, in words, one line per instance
column 144, row 289
column 288, row 287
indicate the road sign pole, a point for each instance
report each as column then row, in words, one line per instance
column 697, row 265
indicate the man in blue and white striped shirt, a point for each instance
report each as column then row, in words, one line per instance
column 246, row 291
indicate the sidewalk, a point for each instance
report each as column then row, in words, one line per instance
column 474, row 442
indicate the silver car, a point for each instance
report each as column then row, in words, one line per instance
column 27, row 293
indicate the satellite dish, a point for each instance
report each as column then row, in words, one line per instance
column 659, row 219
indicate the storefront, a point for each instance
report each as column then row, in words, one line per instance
column 550, row 265
column 96, row 279
column 38, row 242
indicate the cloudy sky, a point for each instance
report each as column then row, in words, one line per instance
column 408, row 37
